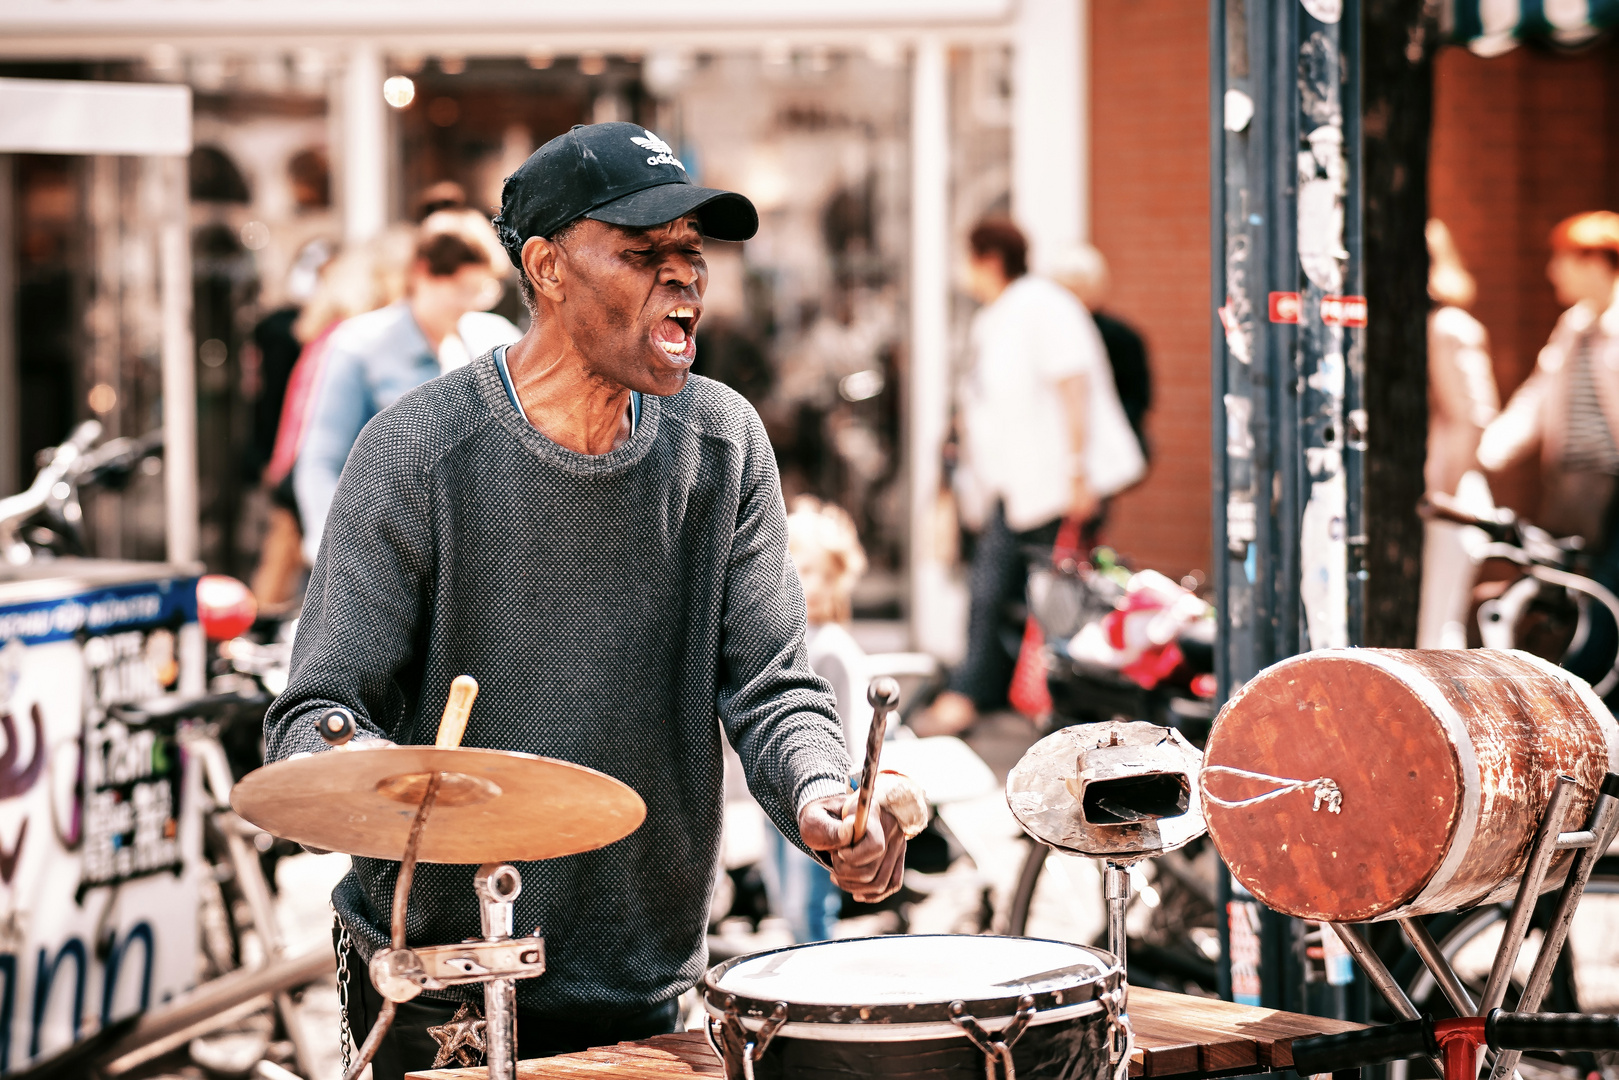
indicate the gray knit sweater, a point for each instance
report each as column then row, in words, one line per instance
column 610, row 607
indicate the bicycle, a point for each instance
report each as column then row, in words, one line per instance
column 1173, row 935
column 1534, row 606
column 46, row 520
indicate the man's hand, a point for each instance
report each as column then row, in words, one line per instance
column 871, row 870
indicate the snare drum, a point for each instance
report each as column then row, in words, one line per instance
column 936, row 1006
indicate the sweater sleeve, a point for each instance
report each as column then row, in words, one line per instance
column 778, row 714
column 356, row 635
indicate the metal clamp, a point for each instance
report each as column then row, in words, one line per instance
column 732, row 1044
column 996, row 1050
column 401, row 974
column 1121, row 1034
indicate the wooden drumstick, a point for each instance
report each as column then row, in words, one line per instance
column 457, row 707
column 883, row 695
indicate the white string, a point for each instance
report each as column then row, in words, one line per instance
column 1325, row 787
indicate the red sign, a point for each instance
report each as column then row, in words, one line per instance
column 1284, row 307
column 1343, row 310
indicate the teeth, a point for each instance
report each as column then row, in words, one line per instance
column 683, row 313
column 674, row 348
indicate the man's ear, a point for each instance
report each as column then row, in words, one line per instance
column 542, row 263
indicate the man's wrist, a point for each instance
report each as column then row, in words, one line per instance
column 822, row 788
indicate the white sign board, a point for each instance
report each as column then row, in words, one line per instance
column 100, row 822
column 66, row 116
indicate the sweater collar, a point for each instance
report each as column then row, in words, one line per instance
column 493, row 391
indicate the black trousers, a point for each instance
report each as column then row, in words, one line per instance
column 409, row 1048
column 995, row 612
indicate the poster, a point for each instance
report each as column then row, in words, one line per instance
column 100, row 838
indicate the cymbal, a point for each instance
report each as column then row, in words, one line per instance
column 492, row 806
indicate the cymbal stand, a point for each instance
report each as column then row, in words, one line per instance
column 400, row 973
column 1589, row 844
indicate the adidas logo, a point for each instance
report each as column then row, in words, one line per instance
column 662, row 153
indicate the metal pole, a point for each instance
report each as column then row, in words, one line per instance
column 497, row 886
column 928, row 408
column 1380, row 977
column 1541, row 854
column 1604, row 825
column 179, row 374
column 1416, row 932
column 10, row 431
column 365, row 145
column 1116, row 886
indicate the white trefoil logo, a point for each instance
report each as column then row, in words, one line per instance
column 662, row 152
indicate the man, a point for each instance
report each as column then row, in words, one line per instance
column 1045, row 440
column 599, row 538
column 1082, row 270
column 374, row 358
column 1568, row 409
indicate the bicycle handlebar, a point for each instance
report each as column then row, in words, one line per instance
column 1417, row 1038
column 1441, row 507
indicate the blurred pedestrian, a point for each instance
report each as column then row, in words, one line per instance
column 1462, row 401
column 1568, row 409
column 1045, row 439
column 1082, row 270
column 355, row 281
column 374, row 359
column 824, row 548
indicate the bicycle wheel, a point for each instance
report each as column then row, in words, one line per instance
column 1585, row 980
column 1172, row 924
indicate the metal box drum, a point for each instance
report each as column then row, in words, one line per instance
column 934, row 1006
column 1359, row 784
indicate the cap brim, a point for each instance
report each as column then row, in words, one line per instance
column 724, row 215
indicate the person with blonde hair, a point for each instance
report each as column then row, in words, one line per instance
column 1568, row 410
column 826, row 551
column 353, row 282
column 1462, row 400
column 441, row 322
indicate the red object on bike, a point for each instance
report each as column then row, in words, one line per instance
column 1205, row 685
column 1029, row 693
column 225, row 607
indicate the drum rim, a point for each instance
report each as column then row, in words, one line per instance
column 871, row 1031
column 718, row 1001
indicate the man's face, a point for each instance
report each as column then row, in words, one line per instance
column 632, row 299
column 1582, row 276
column 986, row 279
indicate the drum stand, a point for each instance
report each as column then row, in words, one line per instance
column 497, row 960
column 1589, row 844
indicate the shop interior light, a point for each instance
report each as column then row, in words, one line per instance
column 399, row 91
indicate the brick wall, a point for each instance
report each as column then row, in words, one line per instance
column 1520, row 142
column 1150, row 217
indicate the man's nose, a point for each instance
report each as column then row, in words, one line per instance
column 679, row 271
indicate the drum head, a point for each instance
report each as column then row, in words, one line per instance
column 911, row 979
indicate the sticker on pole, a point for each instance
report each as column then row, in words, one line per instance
column 1284, row 307
column 1343, row 310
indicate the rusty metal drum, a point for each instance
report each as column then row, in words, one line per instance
column 1352, row 785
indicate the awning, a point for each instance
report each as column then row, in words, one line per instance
column 1492, row 27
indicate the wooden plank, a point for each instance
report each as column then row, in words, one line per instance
column 1177, row 1036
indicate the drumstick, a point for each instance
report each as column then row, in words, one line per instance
column 883, row 695
column 457, row 707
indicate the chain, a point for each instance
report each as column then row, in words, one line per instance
column 345, row 1036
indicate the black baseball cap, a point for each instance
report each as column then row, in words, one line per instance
column 618, row 173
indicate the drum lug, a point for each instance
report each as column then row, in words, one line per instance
column 995, row 1050
column 736, row 1051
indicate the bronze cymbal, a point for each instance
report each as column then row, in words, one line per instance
column 492, row 806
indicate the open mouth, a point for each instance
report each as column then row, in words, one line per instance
column 673, row 333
